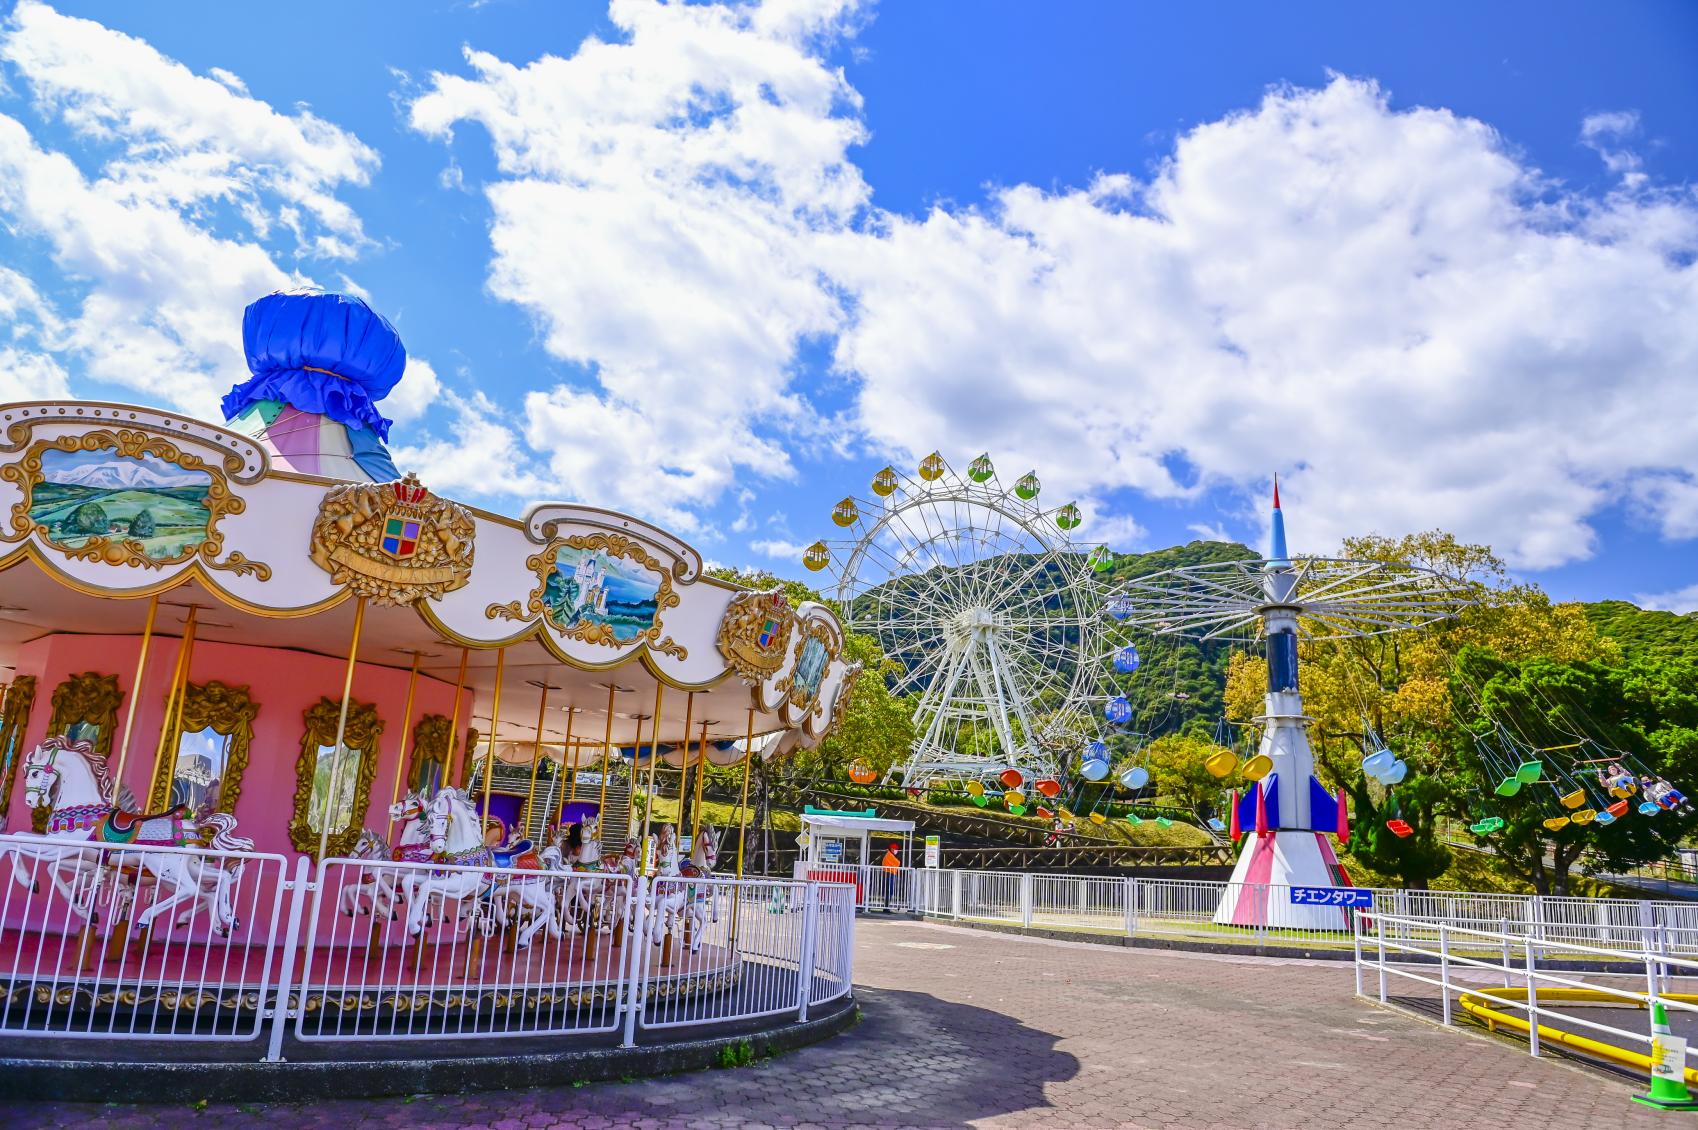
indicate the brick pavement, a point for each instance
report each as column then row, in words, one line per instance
column 970, row 1028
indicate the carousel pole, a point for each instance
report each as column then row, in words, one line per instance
column 341, row 731
column 631, row 793
column 451, row 771
column 606, row 753
column 572, row 752
column 536, row 759
column 135, row 697
column 701, row 772
column 684, row 764
column 406, row 732
column 654, row 756
column 742, row 825
column 743, row 805
column 494, row 724
column 167, row 727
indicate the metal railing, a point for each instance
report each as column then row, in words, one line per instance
column 1505, row 979
column 1190, row 908
column 153, row 943
column 108, row 940
column 876, row 887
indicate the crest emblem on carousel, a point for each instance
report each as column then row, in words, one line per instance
column 393, row 542
column 755, row 633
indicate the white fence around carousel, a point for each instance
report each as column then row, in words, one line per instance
column 1187, row 908
column 115, row 942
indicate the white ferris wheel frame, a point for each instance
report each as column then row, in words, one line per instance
column 975, row 652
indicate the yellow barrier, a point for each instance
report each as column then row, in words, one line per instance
column 1471, row 1004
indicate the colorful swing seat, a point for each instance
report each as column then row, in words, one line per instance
column 1557, row 823
column 1258, row 767
column 1509, row 786
column 1528, row 771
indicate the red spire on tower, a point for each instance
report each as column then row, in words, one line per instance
column 1276, row 490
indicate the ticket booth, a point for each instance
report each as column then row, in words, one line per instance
column 849, row 847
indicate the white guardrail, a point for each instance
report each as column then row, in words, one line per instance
column 1187, row 908
column 111, row 941
column 1510, row 979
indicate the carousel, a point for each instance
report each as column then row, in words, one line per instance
column 292, row 746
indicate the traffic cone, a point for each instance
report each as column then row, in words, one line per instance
column 1668, row 1066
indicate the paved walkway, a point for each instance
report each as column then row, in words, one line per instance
column 973, row 1028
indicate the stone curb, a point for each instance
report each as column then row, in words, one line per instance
column 89, row 1080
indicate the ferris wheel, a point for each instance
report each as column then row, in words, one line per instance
column 989, row 608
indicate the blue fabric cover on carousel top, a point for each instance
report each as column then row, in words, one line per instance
column 324, row 353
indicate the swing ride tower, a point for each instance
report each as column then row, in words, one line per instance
column 1286, row 815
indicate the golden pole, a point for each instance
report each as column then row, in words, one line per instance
column 494, row 724
column 606, row 752
column 701, row 772
column 654, row 756
column 135, row 697
column 631, row 793
column 406, row 732
column 684, row 765
column 168, row 728
column 743, row 805
column 451, row 771
column 536, row 763
column 341, row 732
column 572, row 752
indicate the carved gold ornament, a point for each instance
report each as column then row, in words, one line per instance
column 754, row 634
column 225, row 710
column 99, row 517
column 360, row 738
column 92, row 699
column 583, row 619
column 14, row 722
column 393, row 542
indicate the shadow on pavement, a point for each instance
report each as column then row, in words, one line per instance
column 914, row 1060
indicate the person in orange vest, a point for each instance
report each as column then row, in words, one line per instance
column 892, row 864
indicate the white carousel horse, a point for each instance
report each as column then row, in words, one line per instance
column 456, row 837
column 580, row 853
column 701, row 901
column 668, row 894
column 69, row 780
column 381, row 889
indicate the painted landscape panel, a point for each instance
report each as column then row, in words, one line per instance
column 88, row 494
column 810, row 669
column 589, row 586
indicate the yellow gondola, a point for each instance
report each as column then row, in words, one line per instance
column 885, row 482
column 845, row 512
column 816, row 557
column 931, row 467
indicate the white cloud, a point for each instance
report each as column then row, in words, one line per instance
column 1603, row 133
column 1384, row 304
column 661, row 213
column 418, row 390
column 1388, row 306
column 779, row 549
column 1680, row 600
column 162, row 282
column 481, row 456
column 1210, row 532
column 26, row 375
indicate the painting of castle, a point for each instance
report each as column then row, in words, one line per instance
column 88, row 494
column 589, row 586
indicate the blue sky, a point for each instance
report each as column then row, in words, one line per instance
column 1433, row 266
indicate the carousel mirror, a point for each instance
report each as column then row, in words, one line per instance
column 85, row 709
column 330, row 790
column 213, row 734
column 14, row 720
column 428, row 768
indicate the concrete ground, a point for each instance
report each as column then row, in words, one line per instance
column 972, row 1028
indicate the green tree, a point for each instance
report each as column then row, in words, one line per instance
column 1647, row 709
column 142, row 525
column 89, row 518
